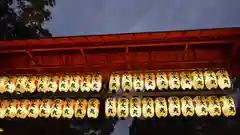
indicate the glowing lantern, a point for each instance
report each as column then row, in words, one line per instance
column 64, row 83
column 138, row 81
column 114, row 82
column 75, row 83
column 53, row 83
column 111, row 107
column 162, row 81
column 34, row 108
column 135, row 107
column 45, row 108
column 21, row 84
column 80, row 108
column 11, row 84
column 210, row 80
column 228, row 106
column 22, row 108
column 31, row 84
column 201, row 107
column 68, row 108
column 197, row 82
column 86, row 83
column 122, row 107
column 150, row 82
column 127, row 82
column 3, row 108
column 187, row 106
column 223, row 78
column 11, row 110
column 42, row 85
column 96, row 82
column 147, row 107
column 214, row 107
column 174, row 106
column 186, row 81
column 161, row 107
column 57, row 107
column 174, row 80
column 93, row 108
column 3, row 82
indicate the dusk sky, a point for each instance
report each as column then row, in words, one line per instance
column 87, row 17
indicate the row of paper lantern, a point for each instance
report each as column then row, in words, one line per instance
column 49, row 108
column 174, row 106
column 173, row 80
column 51, row 83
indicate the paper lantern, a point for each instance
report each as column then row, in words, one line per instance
column 138, row 82
column 57, row 108
column 214, row 107
column 210, row 80
column 11, row 84
column 127, row 82
column 45, row 108
column 162, row 81
column 197, row 80
column 68, row 108
column 21, row 84
column 34, row 108
column 97, row 82
column 114, row 82
column 186, row 81
column 111, row 107
column 53, row 83
column 187, row 106
column 228, row 106
column 3, row 82
column 93, row 108
column 3, row 108
column 22, row 108
column 64, row 83
column 201, row 107
column 174, row 106
column 135, row 107
column 31, row 84
column 150, row 82
column 223, row 79
column 86, row 83
column 42, row 85
column 161, row 107
column 11, row 110
column 80, row 108
column 174, row 80
column 147, row 107
column 75, row 83
column 122, row 108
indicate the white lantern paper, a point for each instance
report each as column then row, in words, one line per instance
column 64, row 83
column 34, row 108
column 138, row 81
column 93, row 108
column 228, row 106
column 147, row 107
column 11, row 84
column 123, row 107
column 42, row 85
column 127, row 82
column 75, row 81
column 174, row 80
column 31, row 84
column 114, row 82
column 86, row 83
column 3, row 108
column 96, row 82
column 57, row 108
column 11, row 110
column 210, row 80
column 187, row 106
column 201, row 107
column 186, row 81
column 162, row 81
column 111, row 107
column 135, row 107
column 161, row 107
column 53, row 83
column 22, row 108
column 223, row 78
column 150, row 82
column 174, row 106
column 3, row 82
column 68, row 108
column 80, row 108
column 21, row 84
column 45, row 108
column 197, row 82
column 214, row 107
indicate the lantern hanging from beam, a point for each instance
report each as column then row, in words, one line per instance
column 210, row 80
column 147, row 107
column 3, row 108
column 31, row 84
column 150, row 82
column 174, row 106
column 68, row 108
column 57, row 107
column 53, row 83
column 22, row 108
column 201, row 107
column 135, row 107
column 214, row 107
column 123, row 108
column 223, row 78
column 80, row 108
column 34, row 108
column 186, row 81
column 93, row 108
column 96, row 82
column 174, row 80
column 75, row 81
column 64, row 82
column 111, row 107
column 11, row 109
column 162, row 81
column 187, row 106
column 228, row 106
column 86, row 83
column 45, row 108
column 161, row 107
column 42, row 85
column 3, row 82
column 21, row 84
column 114, row 82
column 197, row 82
column 127, row 82
column 138, row 81
column 11, row 84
